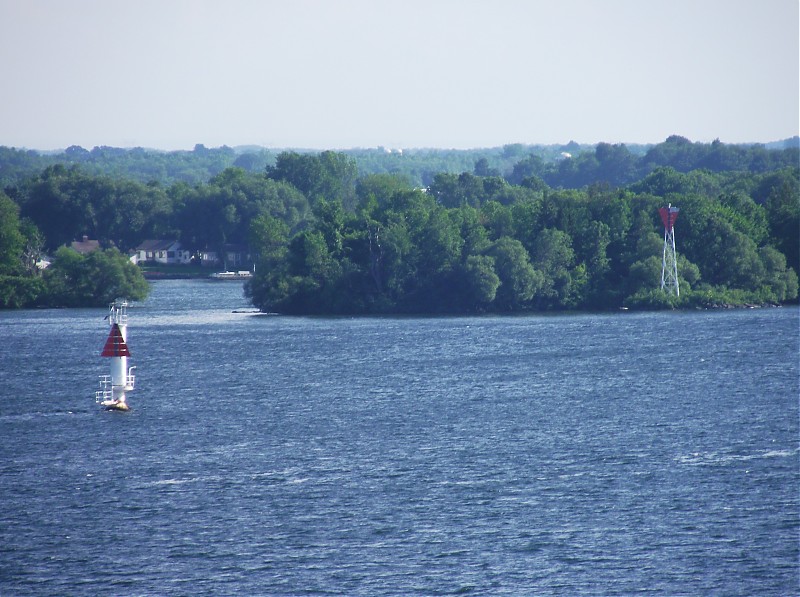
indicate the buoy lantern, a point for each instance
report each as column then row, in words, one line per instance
column 111, row 395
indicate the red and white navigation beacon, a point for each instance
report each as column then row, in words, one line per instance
column 669, row 263
column 111, row 395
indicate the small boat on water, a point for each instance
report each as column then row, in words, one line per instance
column 226, row 275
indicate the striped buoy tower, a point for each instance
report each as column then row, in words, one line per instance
column 111, row 394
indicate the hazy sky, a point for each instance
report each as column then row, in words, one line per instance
column 335, row 74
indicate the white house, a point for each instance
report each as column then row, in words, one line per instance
column 168, row 252
column 233, row 256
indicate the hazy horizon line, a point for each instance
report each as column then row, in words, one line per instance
column 392, row 148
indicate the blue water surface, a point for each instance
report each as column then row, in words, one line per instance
column 614, row 454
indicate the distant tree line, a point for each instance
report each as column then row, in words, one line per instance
column 617, row 164
column 511, row 232
column 137, row 164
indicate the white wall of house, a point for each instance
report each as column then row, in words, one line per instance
column 171, row 255
column 233, row 259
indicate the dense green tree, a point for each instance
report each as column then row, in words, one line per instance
column 269, row 238
column 531, row 167
column 554, row 257
column 567, row 211
column 338, row 184
column 93, row 280
column 255, row 161
column 436, row 255
column 498, row 219
column 20, row 241
column 67, row 204
column 575, row 172
column 330, row 222
column 12, row 242
column 479, row 283
column 313, row 276
column 688, row 273
column 482, row 168
column 519, row 281
column 676, row 152
column 21, row 292
column 329, row 175
column 54, row 202
column 269, row 241
column 472, row 231
column 779, row 282
column 455, row 190
column 380, row 188
column 644, row 275
column 596, row 267
column 220, row 212
column 208, row 220
column 524, row 221
column 301, row 170
column 781, row 196
column 745, row 215
column 394, row 268
column 616, row 164
column 33, row 247
column 724, row 157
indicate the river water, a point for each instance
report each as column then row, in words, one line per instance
column 613, row 454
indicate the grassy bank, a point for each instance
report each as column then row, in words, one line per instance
column 174, row 272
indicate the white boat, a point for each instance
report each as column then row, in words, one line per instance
column 226, row 275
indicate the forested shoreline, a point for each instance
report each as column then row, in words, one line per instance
column 512, row 229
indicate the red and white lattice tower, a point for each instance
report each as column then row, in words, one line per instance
column 669, row 263
column 111, row 394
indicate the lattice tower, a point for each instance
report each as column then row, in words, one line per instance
column 669, row 262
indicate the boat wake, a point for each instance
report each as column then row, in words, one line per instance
column 715, row 458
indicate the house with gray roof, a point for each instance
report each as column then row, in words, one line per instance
column 85, row 245
column 167, row 252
